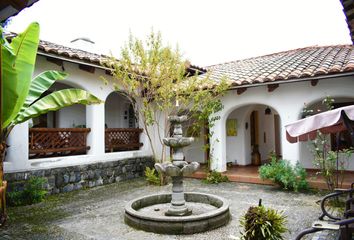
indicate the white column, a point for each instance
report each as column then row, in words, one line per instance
column 17, row 152
column 290, row 151
column 95, row 120
column 218, row 146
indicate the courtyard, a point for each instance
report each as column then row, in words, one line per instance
column 98, row 213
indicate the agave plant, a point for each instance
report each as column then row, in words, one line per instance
column 21, row 95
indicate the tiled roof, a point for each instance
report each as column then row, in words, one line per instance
column 301, row 63
column 348, row 9
column 68, row 53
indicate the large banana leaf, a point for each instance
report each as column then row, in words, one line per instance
column 40, row 84
column 19, row 73
column 8, row 79
column 56, row 101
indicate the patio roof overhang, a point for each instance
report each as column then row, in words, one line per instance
column 332, row 121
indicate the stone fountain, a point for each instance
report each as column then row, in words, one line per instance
column 179, row 212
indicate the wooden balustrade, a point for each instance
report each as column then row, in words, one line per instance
column 44, row 142
column 122, row 139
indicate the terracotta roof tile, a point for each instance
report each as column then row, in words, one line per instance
column 70, row 53
column 84, row 57
column 294, row 64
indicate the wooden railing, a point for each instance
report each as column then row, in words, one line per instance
column 122, row 139
column 57, row 141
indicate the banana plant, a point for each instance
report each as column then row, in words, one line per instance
column 21, row 95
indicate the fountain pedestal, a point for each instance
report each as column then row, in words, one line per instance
column 178, row 168
column 178, row 204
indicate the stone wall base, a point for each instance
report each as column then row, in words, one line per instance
column 67, row 179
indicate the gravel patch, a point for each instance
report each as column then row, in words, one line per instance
column 98, row 213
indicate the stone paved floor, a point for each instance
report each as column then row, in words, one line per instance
column 98, row 213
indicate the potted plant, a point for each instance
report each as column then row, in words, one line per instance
column 21, row 95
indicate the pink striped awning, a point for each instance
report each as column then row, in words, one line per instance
column 326, row 122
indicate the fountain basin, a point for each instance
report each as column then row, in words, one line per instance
column 209, row 212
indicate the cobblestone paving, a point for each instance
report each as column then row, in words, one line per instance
column 98, row 213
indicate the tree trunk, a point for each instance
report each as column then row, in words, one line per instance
column 3, row 185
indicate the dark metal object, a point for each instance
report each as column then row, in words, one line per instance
column 344, row 224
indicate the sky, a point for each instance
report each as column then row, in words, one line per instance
column 207, row 32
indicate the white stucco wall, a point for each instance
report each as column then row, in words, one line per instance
column 288, row 100
column 72, row 116
column 195, row 152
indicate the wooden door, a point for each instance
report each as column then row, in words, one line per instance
column 277, row 135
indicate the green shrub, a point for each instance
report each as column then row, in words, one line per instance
column 33, row 192
column 152, row 176
column 215, row 177
column 263, row 223
column 286, row 175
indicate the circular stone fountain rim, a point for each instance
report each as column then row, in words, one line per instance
column 224, row 208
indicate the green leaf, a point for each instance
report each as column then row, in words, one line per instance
column 4, row 43
column 40, row 84
column 8, row 82
column 56, row 101
column 17, row 71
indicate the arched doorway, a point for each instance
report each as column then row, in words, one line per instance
column 121, row 126
column 250, row 129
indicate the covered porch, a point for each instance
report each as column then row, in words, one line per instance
column 68, row 131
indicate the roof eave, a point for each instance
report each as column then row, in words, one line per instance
column 322, row 77
column 71, row 60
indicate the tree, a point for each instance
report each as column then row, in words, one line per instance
column 156, row 80
column 21, row 96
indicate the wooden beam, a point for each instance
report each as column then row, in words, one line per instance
column 55, row 61
column 314, row 82
column 241, row 90
column 272, row 87
column 18, row 4
column 86, row 68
